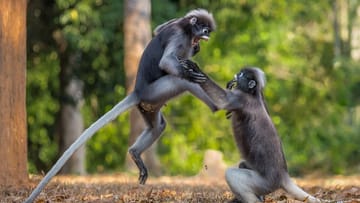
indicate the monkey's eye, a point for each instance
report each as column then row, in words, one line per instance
column 205, row 31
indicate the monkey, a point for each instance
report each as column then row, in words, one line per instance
column 160, row 77
column 264, row 168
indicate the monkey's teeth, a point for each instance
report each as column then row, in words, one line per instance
column 206, row 38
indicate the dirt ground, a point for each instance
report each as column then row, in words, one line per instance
column 124, row 188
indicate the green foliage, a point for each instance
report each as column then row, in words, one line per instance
column 313, row 97
column 190, row 132
column 41, row 109
column 107, row 150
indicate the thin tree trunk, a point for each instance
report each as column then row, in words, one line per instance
column 354, row 30
column 13, row 133
column 72, row 126
column 336, row 27
column 70, row 123
column 137, row 34
column 354, row 48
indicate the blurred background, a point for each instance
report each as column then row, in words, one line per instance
column 79, row 65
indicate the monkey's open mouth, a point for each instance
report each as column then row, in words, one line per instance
column 204, row 37
column 196, row 40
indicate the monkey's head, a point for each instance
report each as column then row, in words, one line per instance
column 199, row 23
column 250, row 80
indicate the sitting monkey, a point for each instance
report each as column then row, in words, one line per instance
column 264, row 169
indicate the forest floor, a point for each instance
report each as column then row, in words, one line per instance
column 124, row 188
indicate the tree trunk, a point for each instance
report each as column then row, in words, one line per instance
column 137, row 34
column 13, row 135
column 71, row 126
column 354, row 30
column 336, row 26
column 70, row 123
column 354, row 46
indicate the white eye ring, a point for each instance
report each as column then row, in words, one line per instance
column 206, row 31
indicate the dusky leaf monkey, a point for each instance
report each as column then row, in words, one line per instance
column 264, row 168
column 160, row 78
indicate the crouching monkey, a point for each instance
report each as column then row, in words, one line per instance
column 264, row 168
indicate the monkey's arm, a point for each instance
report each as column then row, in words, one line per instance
column 224, row 99
column 216, row 93
column 170, row 64
column 221, row 97
column 170, row 60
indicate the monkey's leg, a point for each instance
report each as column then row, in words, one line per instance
column 171, row 86
column 245, row 165
column 156, row 125
column 289, row 186
column 247, row 185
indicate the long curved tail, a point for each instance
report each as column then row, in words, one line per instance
column 299, row 194
column 129, row 101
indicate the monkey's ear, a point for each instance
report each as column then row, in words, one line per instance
column 252, row 84
column 193, row 20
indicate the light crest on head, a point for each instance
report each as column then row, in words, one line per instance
column 260, row 75
column 202, row 14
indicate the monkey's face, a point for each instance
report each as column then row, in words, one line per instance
column 200, row 30
column 245, row 81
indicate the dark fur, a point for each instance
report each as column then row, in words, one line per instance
column 160, row 75
column 251, row 126
column 160, row 78
column 264, row 169
column 179, row 31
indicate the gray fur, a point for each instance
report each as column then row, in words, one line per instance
column 169, row 61
column 161, row 27
column 202, row 13
column 261, row 77
column 160, row 78
column 264, row 169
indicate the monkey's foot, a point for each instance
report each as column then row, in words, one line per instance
column 143, row 176
column 140, row 164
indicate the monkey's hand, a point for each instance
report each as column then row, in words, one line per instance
column 192, row 72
